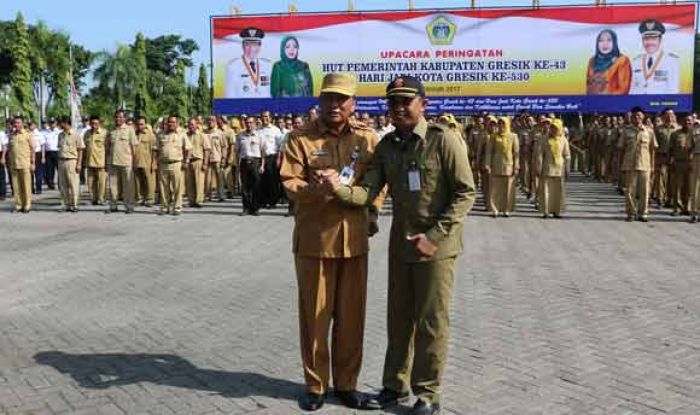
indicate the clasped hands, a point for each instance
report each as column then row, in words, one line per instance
column 326, row 181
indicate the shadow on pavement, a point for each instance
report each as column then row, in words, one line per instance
column 101, row 371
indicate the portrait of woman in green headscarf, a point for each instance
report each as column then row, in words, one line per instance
column 290, row 76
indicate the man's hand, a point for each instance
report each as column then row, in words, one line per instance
column 204, row 167
column 77, row 168
column 330, row 180
column 423, row 245
column 32, row 168
column 261, row 170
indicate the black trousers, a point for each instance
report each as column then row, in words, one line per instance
column 50, row 168
column 271, row 186
column 38, row 177
column 3, row 183
column 250, row 182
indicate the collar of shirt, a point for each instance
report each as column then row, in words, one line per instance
column 322, row 128
column 419, row 131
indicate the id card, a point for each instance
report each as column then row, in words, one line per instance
column 346, row 175
column 414, row 180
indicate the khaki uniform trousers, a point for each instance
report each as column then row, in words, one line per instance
column 68, row 183
column 525, row 174
column 418, row 325
column 552, row 195
column 637, row 193
column 331, row 290
column 215, row 180
column 695, row 186
column 232, row 179
column 680, row 186
column 169, row 186
column 660, row 189
column 22, row 188
column 502, row 194
column 145, row 185
column 97, row 184
column 121, row 182
column 195, row 182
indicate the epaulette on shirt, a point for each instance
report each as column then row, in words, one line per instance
column 674, row 55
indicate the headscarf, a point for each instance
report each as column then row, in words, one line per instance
column 554, row 143
column 503, row 142
column 291, row 64
column 603, row 61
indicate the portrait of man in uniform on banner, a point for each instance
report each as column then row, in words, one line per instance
column 249, row 75
column 655, row 71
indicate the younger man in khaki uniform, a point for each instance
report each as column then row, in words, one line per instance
column 661, row 179
column 638, row 144
column 695, row 170
column 121, row 143
column 170, row 149
column 20, row 147
column 70, row 157
column 430, row 181
column 679, row 151
column 196, row 166
column 145, row 178
column 95, row 139
column 215, row 173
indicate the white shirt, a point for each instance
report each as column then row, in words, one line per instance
column 244, row 82
column 51, row 139
column 3, row 139
column 271, row 139
column 661, row 77
column 39, row 139
column 249, row 145
column 382, row 131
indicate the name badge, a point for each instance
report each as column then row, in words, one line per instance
column 346, row 175
column 414, row 181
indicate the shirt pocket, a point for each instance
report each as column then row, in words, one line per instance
column 430, row 172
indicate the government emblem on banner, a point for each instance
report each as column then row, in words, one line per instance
column 441, row 31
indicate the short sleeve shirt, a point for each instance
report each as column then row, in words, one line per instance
column 69, row 143
column 637, row 146
column 122, row 140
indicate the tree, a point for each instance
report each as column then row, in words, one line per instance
column 117, row 72
column 202, row 96
column 164, row 53
column 21, row 76
column 142, row 98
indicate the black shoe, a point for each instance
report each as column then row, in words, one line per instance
column 693, row 219
column 629, row 219
column 643, row 219
column 311, row 401
column 244, row 213
column 357, row 400
column 557, row 216
column 256, row 213
column 424, row 408
column 388, row 398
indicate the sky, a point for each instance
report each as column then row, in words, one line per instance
column 100, row 25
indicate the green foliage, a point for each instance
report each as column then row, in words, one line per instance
column 202, row 96
column 21, row 75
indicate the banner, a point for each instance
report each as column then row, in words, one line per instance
column 559, row 59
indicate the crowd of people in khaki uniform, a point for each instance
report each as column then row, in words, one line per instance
column 336, row 169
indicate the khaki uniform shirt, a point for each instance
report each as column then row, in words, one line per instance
column 695, row 144
column 445, row 196
column 324, row 226
column 232, row 144
column 199, row 143
column 499, row 163
column 68, row 145
column 143, row 154
column 663, row 137
column 170, row 147
column 637, row 145
column 20, row 148
column 217, row 141
column 679, row 146
column 121, row 142
column 95, row 143
column 546, row 166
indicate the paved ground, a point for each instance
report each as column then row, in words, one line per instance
column 140, row 314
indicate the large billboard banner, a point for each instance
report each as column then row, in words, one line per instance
column 560, row 59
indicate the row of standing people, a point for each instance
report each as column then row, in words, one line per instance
column 132, row 158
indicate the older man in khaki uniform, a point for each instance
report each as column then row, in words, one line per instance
column 70, row 158
column 330, row 243
column 121, row 143
column 429, row 179
column 215, row 173
column 145, row 178
column 95, row 139
column 638, row 144
column 196, row 166
column 231, row 157
column 170, row 149
column 20, row 148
